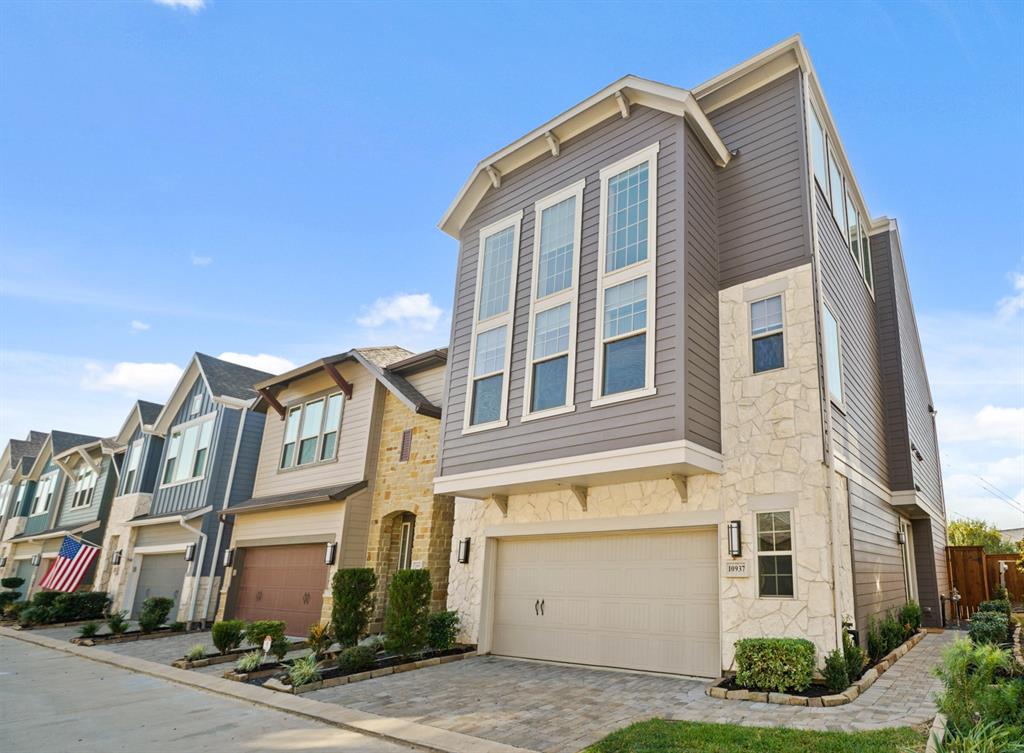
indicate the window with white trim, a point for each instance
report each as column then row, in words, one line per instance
column 833, row 356
column 19, row 498
column 775, row 554
column 817, row 139
column 550, row 368
column 6, row 492
column 132, row 466
column 311, row 431
column 187, row 449
column 836, row 191
column 768, row 351
column 852, row 231
column 44, row 493
column 624, row 337
column 490, row 344
column 85, row 485
column 196, row 405
column 865, row 250
column 406, row 542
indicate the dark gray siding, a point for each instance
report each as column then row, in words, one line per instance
column 703, row 413
column 41, row 522
column 101, row 496
column 151, row 454
column 248, row 457
column 930, row 561
column 646, row 421
column 763, row 224
column 123, row 486
column 878, row 582
column 859, row 426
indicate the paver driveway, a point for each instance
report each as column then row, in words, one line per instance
column 561, row 709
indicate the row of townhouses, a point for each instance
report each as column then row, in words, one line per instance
column 684, row 402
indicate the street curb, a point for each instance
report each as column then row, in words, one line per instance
column 421, row 736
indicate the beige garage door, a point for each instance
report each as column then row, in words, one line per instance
column 642, row 600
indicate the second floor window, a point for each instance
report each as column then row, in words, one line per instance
column 311, row 431
column 85, row 484
column 132, row 466
column 625, row 337
column 767, row 346
column 19, row 499
column 44, row 493
column 833, row 357
column 187, row 450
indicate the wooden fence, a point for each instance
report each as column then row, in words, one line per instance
column 976, row 575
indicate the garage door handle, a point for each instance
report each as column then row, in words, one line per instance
column 536, row 607
column 542, row 607
column 305, row 598
column 259, row 595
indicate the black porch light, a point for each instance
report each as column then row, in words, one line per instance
column 36, row 559
column 463, row 554
column 190, row 552
column 115, row 558
column 735, row 545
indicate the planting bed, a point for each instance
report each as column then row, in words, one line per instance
column 131, row 635
column 232, row 655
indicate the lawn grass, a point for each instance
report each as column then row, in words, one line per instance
column 660, row 736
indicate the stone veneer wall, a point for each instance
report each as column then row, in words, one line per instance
column 407, row 486
column 110, row 577
column 772, row 448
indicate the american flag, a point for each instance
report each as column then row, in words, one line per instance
column 72, row 561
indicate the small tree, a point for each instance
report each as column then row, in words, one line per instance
column 973, row 532
column 405, row 623
column 353, row 603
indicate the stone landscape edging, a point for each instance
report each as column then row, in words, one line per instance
column 100, row 640
column 837, row 699
column 420, row 736
column 232, row 655
column 936, row 734
column 1018, row 649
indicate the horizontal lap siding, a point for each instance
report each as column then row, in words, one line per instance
column 703, row 414
column 101, row 493
column 763, row 226
column 859, row 429
column 877, row 559
column 430, row 384
column 650, row 420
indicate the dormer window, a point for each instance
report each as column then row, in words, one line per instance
column 85, row 485
column 311, row 431
column 44, row 493
column 196, row 405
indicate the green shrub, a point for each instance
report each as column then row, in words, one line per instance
column 8, row 597
column 255, row 632
column 154, row 612
column 11, row 611
column 967, row 670
column 45, row 598
column 196, row 652
column 983, row 738
column 249, row 662
column 1001, row 606
column 356, row 659
column 353, row 603
column 837, row 677
column 117, row 622
column 177, row 627
column 1000, row 593
column 304, row 671
column 854, row 656
column 320, row 638
column 31, row 615
column 876, row 644
column 405, row 623
column 778, row 664
column 227, row 635
column 892, row 631
column 1003, row 702
column 910, row 618
column 442, row 630
column 12, row 582
column 89, row 630
column 989, row 627
column 80, row 605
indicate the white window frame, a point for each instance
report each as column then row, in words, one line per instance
column 569, row 295
column 909, row 560
column 506, row 319
column 814, row 125
column 791, row 552
column 84, row 486
column 405, row 544
column 838, row 400
column 781, row 295
column 182, row 428
column 196, row 405
column 19, row 497
column 628, row 273
column 301, row 408
column 130, row 472
column 47, row 478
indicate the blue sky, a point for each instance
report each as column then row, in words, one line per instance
column 265, row 180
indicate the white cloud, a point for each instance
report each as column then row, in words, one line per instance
column 201, row 261
column 261, row 361
column 193, row 6
column 1013, row 304
column 138, row 326
column 414, row 310
column 155, row 380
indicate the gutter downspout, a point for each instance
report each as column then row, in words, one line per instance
column 202, row 552
column 224, row 505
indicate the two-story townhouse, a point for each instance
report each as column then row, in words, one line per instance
column 37, row 520
column 347, row 458
column 207, row 462
column 677, row 397
column 15, row 462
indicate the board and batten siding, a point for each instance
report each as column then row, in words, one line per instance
column 350, row 465
column 149, row 463
column 877, row 559
column 649, row 420
column 101, row 496
column 763, row 218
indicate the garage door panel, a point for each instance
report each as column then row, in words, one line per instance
column 282, row 583
column 159, row 575
column 646, row 601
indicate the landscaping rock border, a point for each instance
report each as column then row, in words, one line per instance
column 102, row 640
column 936, row 734
column 229, row 656
column 839, row 699
column 49, row 625
column 280, row 687
column 1018, row 649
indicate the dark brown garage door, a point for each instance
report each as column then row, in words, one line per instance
column 282, row 583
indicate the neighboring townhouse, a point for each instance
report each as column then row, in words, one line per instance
column 15, row 463
column 686, row 401
column 207, row 462
column 347, row 459
column 42, row 515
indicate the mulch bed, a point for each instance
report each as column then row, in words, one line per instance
column 233, row 655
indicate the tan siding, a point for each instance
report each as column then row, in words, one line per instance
column 357, row 530
column 164, row 535
column 307, row 520
column 352, row 447
column 430, row 383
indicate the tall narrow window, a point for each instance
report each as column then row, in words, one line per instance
column 817, row 139
column 85, row 484
column 775, row 554
column 852, row 224
column 836, row 191
column 833, row 356
column 405, row 544
column 332, row 424
column 766, row 332
column 187, row 450
column 44, row 493
column 311, row 431
column 202, row 448
column 173, row 445
column 550, row 367
column 19, row 498
column 624, row 347
column 405, row 451
column 291, row 436
column 865, row 249
column 132, row 466
column 490, row 344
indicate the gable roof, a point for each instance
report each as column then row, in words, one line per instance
column 143, row 413
column 25, row 449
column 612, row 101
column 62, row 441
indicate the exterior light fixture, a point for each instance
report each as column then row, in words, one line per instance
column 190, row 552
column 36, row 559
column 3, row 560
column 229, row 557
column 735, row 546
column 463, row 556
column 115, row 559
column 901, row 538
column 330, row 552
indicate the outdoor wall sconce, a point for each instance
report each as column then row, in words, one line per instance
column 115, row 559
column 463, row 555
column 190, row 552
column 3, row 561
column 901, row 538
column 229, row 557
column 735, row 546
column 330, row 552
column 36, row 559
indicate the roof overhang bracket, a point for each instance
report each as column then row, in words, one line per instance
column 679, row 481
column 89, row 461
column 501, row 502
column 553, row 143
column 494, row 175
column 580, row 493
column 339, row 380
column 272, row 402
column 623, row 103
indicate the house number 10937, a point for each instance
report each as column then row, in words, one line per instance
column 736, row 569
